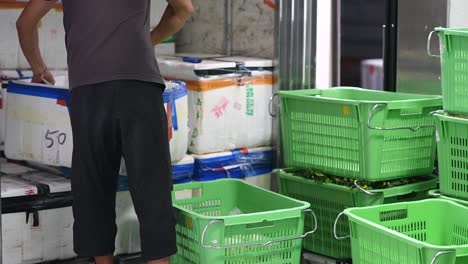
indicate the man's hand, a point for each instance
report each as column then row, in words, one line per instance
column 45, row 77
column 173, row 19
column 29, row 38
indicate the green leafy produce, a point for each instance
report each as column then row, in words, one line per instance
column 321, row 177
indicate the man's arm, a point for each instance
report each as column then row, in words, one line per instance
column 28, row 34
column 174, row 17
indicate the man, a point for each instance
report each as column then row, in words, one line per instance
column 116, row 108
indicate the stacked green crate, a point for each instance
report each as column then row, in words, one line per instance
column 355, row 134
column 328, row 200
column 452, row 123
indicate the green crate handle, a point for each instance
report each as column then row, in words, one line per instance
column 335, row 225
column 434, row 193
column 270, row 105
column 434, row 259
column 356, row 183
column 373, row 111
column 429, row 38
column 205, row 230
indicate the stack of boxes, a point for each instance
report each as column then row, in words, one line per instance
column 349, row 147
column 452, row 123
column 37, row 221
column 228, row 115
column 223, row 115
column 38, row 130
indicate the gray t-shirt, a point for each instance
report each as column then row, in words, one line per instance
column 109, row 40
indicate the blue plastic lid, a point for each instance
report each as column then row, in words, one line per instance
column 182, row 171
column 38, row 90
column 174, row 93
column 237, row 164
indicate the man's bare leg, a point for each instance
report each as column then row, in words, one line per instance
column 104, row 260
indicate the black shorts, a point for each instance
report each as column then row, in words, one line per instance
column 110, row 120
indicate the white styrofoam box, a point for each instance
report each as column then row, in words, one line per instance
column 372, row 74
column 127, row 240
column 51, row 240
column 262, row 181
column 31, row 234
column 176, row 105
column 9, row 43
column 13, row 168
column 57, row 184
column 38, row 124
column 226, row 109
column 13, row 186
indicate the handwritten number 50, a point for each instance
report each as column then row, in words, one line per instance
column 59, row 137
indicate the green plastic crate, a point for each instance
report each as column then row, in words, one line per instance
column 328, row 200
column 452, row 143
column 436, row 193
column 430, row 231
column 235, row 221
column 363, row 134
column 454, row 62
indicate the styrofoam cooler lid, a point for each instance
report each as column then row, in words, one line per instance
column 13, row 168
column 58, row 91
column 13, row 186
column 175, row 67
column 249, row 62
column 57, row 184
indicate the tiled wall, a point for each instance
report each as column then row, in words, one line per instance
column 253, row 26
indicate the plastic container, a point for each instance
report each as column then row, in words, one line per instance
column 437, row 194
column 454, row 59
column 452, row 143
column 175, row 99
column 328, row 200
column 228, row 104
column 358, row 133
column 430, row 231
column 230, row 221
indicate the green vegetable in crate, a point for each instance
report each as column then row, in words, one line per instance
column 350, row 182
